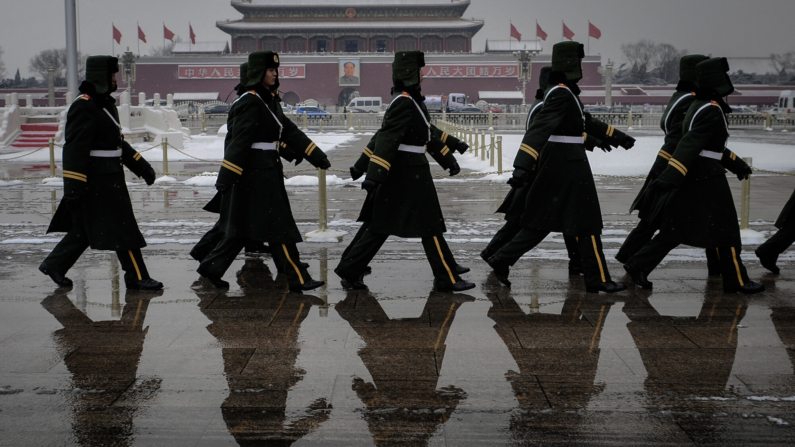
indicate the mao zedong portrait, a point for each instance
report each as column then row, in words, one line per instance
column 349, row 69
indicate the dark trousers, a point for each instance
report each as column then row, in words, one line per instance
column 362, row 250
column 211, row 239
column 778, row 243
column 68, row 251
column 286, row 257
column 643, row 233
column 589, row 249
column 731, row 266
column 510, row 230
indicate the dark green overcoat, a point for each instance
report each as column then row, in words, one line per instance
column 700, row 211
column 405, row 203
column 563, row 195
column 105, row 210
column 787, row 216
column 256, row 205
column 671, row 124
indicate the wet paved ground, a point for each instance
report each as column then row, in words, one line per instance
column 541, row 363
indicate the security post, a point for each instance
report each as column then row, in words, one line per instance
column 482, row 146
column 165, row 156
column 52, row 157
column 499, row 155
column 629, row 120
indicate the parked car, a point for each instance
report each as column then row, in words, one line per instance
column 493, row 110
column 619, row 109
column 370, row 104
column 598, row 109
column 218, row 109
column 468, row 109
column 314, row 113
column 744, row 110
column 151, row 102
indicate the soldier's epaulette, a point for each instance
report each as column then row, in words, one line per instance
column 85, row 96
column 563, row 86
column 253, row 92
column 405, row 95
column 693, row 93
column 715, row 103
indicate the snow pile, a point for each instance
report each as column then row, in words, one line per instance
column 165, row 179
column 52, row 181
column 11, row 183
column 311, row 180
column 205, row 179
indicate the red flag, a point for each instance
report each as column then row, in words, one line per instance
column 515, row 33
column 567, row 33
column 167, row 34
column 116, row 35
column 594, row 31
column 192, row 35
column 141, row 35
column 540, row 33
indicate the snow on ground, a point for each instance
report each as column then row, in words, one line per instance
column 638, row 160
column 203, row 147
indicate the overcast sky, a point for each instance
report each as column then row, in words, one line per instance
column 719, row 27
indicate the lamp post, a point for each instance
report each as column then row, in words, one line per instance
column 128, row 68
column 525, row 70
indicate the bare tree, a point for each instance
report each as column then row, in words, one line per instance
column 55, row 58
column 164, row 50
column 783, row 62
column 651, row 63
column 667, row 62
column 640, row 55
column 2, row 65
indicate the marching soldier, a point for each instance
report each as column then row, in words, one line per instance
column 96, row 210
column 769, row 251
column 696, row 207
column 563, row 195
column 404, row 201
column 255, row 205
column 671, row 124
column 212, row 237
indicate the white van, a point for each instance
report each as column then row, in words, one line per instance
column 365, row 104
column 786, row 100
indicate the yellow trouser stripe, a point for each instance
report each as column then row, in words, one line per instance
column 76, row 174
column 444, row 325
column 444, row 137
column 598, row 258
column 533, row 153
column 665, row 155
column 438, row 247
column 310, row 148
column 135, row 264
column 679, row 166
column 231, row 167
column 300, row 278
column 75, row 177
column 737, row 266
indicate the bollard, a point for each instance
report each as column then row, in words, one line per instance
column 491, row 120
column 321, row 185
column 165, row 156
column 629, row 120
column 350, row 123
column 204, row 122
column 320, row 123
column 305, row 128
column 491, row 150
column 499, row 155
column 482, row 146
column 745, row 206
column 768, row 122
column 786, row 122
column 360, row 127
column 52, row 157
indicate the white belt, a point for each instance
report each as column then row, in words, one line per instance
column 712, row 155
column 106, row 154
column 265, row 146
column 568, row 140
column 414, row 149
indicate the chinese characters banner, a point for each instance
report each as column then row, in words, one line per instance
column 233, row 71
column 470, row 71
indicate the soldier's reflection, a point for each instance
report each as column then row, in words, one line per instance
column 259, row 333
column 103, row 358
column 688, row 360
column 557, row 355
column 783, row 320
column 404, row 357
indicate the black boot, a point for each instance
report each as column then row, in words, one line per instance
column 638, row 277
column 217, row 282
column 748, row 289
column 501, row 269
column 311, row 285
column 460, row 286
column 145, row 284
column 257, row 248
column 768, row 261
column 575, row 269
column 460, row 269
column 607, row 287
column 352, row 280
column 58, row 278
